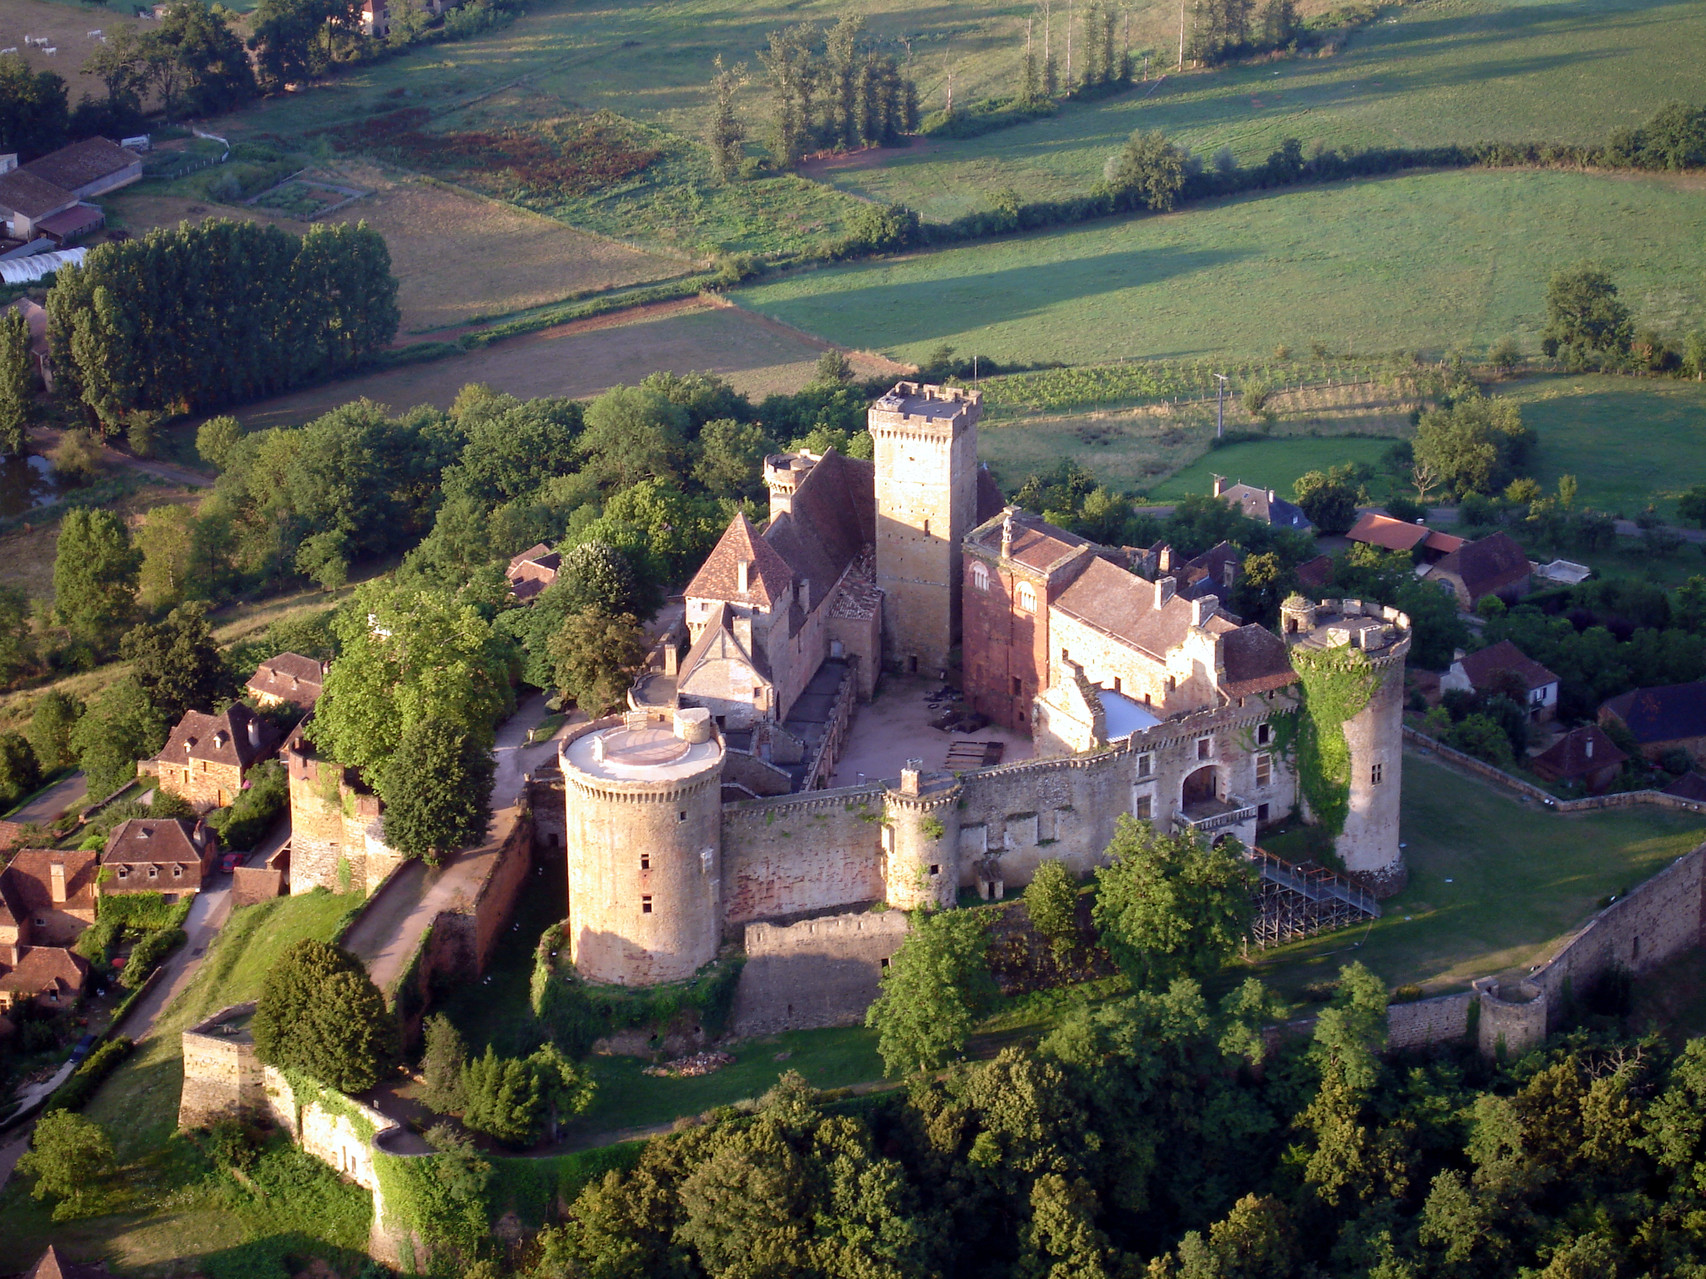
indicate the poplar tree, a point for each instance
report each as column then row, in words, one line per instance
column 727, row 136
column 17, row 383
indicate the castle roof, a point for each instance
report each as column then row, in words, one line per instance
column 1037, row 544
column 767, row 575
column 1123, row 605
column 1257, row 661
column 831, row 520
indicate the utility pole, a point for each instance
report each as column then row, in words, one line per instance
column 1220, row 407
column 1181, row 35
column 1069, row 48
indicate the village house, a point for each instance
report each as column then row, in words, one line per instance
column 44, row 199
column 1494, row 565
column 1428, row 545
column 207, row 759
column 47, row 899
column 532, row 571
column 1662, row 719
column 1584, row 756
column 1264, row 505
column 150, row 855
column 289, row 679
column 1505, row 666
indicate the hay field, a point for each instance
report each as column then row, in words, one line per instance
column 583, row 359
column 1422, row 262
column 68, row 26
column 457, row 256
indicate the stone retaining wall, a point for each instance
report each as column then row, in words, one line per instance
column 818, row 972
column 1587, row 803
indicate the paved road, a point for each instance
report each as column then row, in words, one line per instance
column 386, row 936
column 207, row 916
column 53, row 801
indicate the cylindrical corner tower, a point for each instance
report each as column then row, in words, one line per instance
column 921, row 840
column 644, row 845
column 1368, row 843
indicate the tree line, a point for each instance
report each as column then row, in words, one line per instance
column 203, row 315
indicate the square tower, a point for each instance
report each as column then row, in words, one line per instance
column 926, row 476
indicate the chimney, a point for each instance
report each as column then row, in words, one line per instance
column 1164, row 561
column 743, row 570
column 255, row 733
column 1271, row 497
column 805, row 592
column 56, row 883
column 1220, row 486
column 1587, row 746
column 8, row 162
column 219, row 738
column 1164, row 591
column 1202, row 610
column 910, row 776
column 1007, row 536
column 1229, row 573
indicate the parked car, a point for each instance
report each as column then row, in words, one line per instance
column 82, row 1049
column 228, row 863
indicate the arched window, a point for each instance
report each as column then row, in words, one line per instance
column 979, row 575
column 1027, row 597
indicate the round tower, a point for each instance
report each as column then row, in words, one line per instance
column 644, row 844
column 921, row 840
column 1368, row 844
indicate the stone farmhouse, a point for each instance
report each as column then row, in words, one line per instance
column 1494, row 565
column 172, row 857
column 1264, row 505
column 289, row 679
column 699, row 813
column 1505, row 666
column 207, row 759
column 47, row 899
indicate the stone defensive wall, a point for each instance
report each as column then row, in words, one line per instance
column 818, row 972
column 223, row 1078
column 1586, row 803
column 797, row 854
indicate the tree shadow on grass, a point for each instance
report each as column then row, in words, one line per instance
column 279, row 1257
column 919, row 309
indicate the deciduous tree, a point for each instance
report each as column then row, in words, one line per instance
column 178, row 664
column 1584, row 318
column 1169, row 906
column 596, row 656
column 69, row 1156
column 51, row 722
column 17, row 383
column 94, row 578
column 437, row 788
column 1051, row 900
column 320, row 1013
column 1148, row 173
column 933, row 990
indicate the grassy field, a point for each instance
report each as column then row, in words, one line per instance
column 1239, row 277
column 1494, row 883
column 1627, row 442
column 1273, row 464
column 163, row 1210
column 1425, row 74
column 67, row 25
column 584, row 358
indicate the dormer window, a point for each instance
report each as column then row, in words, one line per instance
column 177, row 872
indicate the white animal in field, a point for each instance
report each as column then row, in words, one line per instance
column 95, row 34
column 50, row 50
column 4, row 52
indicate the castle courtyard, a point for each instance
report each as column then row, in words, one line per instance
column 896, row 726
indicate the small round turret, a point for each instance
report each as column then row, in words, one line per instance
column 921, row 840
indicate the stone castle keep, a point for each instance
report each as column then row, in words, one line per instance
column 700, row 812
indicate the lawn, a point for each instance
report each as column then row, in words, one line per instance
column 1628, row 443
column 1422, row 75
column 166, row 1210
column 1495, row 883
column 1237, row 278
column 1273, row 464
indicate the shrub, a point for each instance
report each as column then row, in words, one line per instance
column 320, row 1012
column 258, row 804
column 75, row 1093
column 147, row 953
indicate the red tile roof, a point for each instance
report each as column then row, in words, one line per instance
column 768, row 578
column 161, row 841
column 44, row 968
column 1122, row 605
column 237, row 736
column 1577, row 753
column 26, row 886
column 1483, row 664
column 1037, row 544
column 1256, row 662
column 291, row 676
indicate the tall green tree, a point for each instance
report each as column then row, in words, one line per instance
column 1051, row 900
column 17, row 383
column 596, row 656
column 1169, row 906
column 1328, row 498
column 178, row 663
column 437, row 788
column 726, row 135
column 443, row 1059
column 1585, row 320
column 17, row 642
column 408, row 657
column 69, row 1157
column 633, row 434
column 1148, row 173
column 33, row 109
column 121, row 726
column 20, row 774
column 320, row 1013
column 933, row 990
column 51, row 722
column 95, row 571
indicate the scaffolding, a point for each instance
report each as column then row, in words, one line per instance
column 1298, row 900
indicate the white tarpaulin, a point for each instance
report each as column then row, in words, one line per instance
column 30, row 269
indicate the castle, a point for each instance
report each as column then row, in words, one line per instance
column 701, row 811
